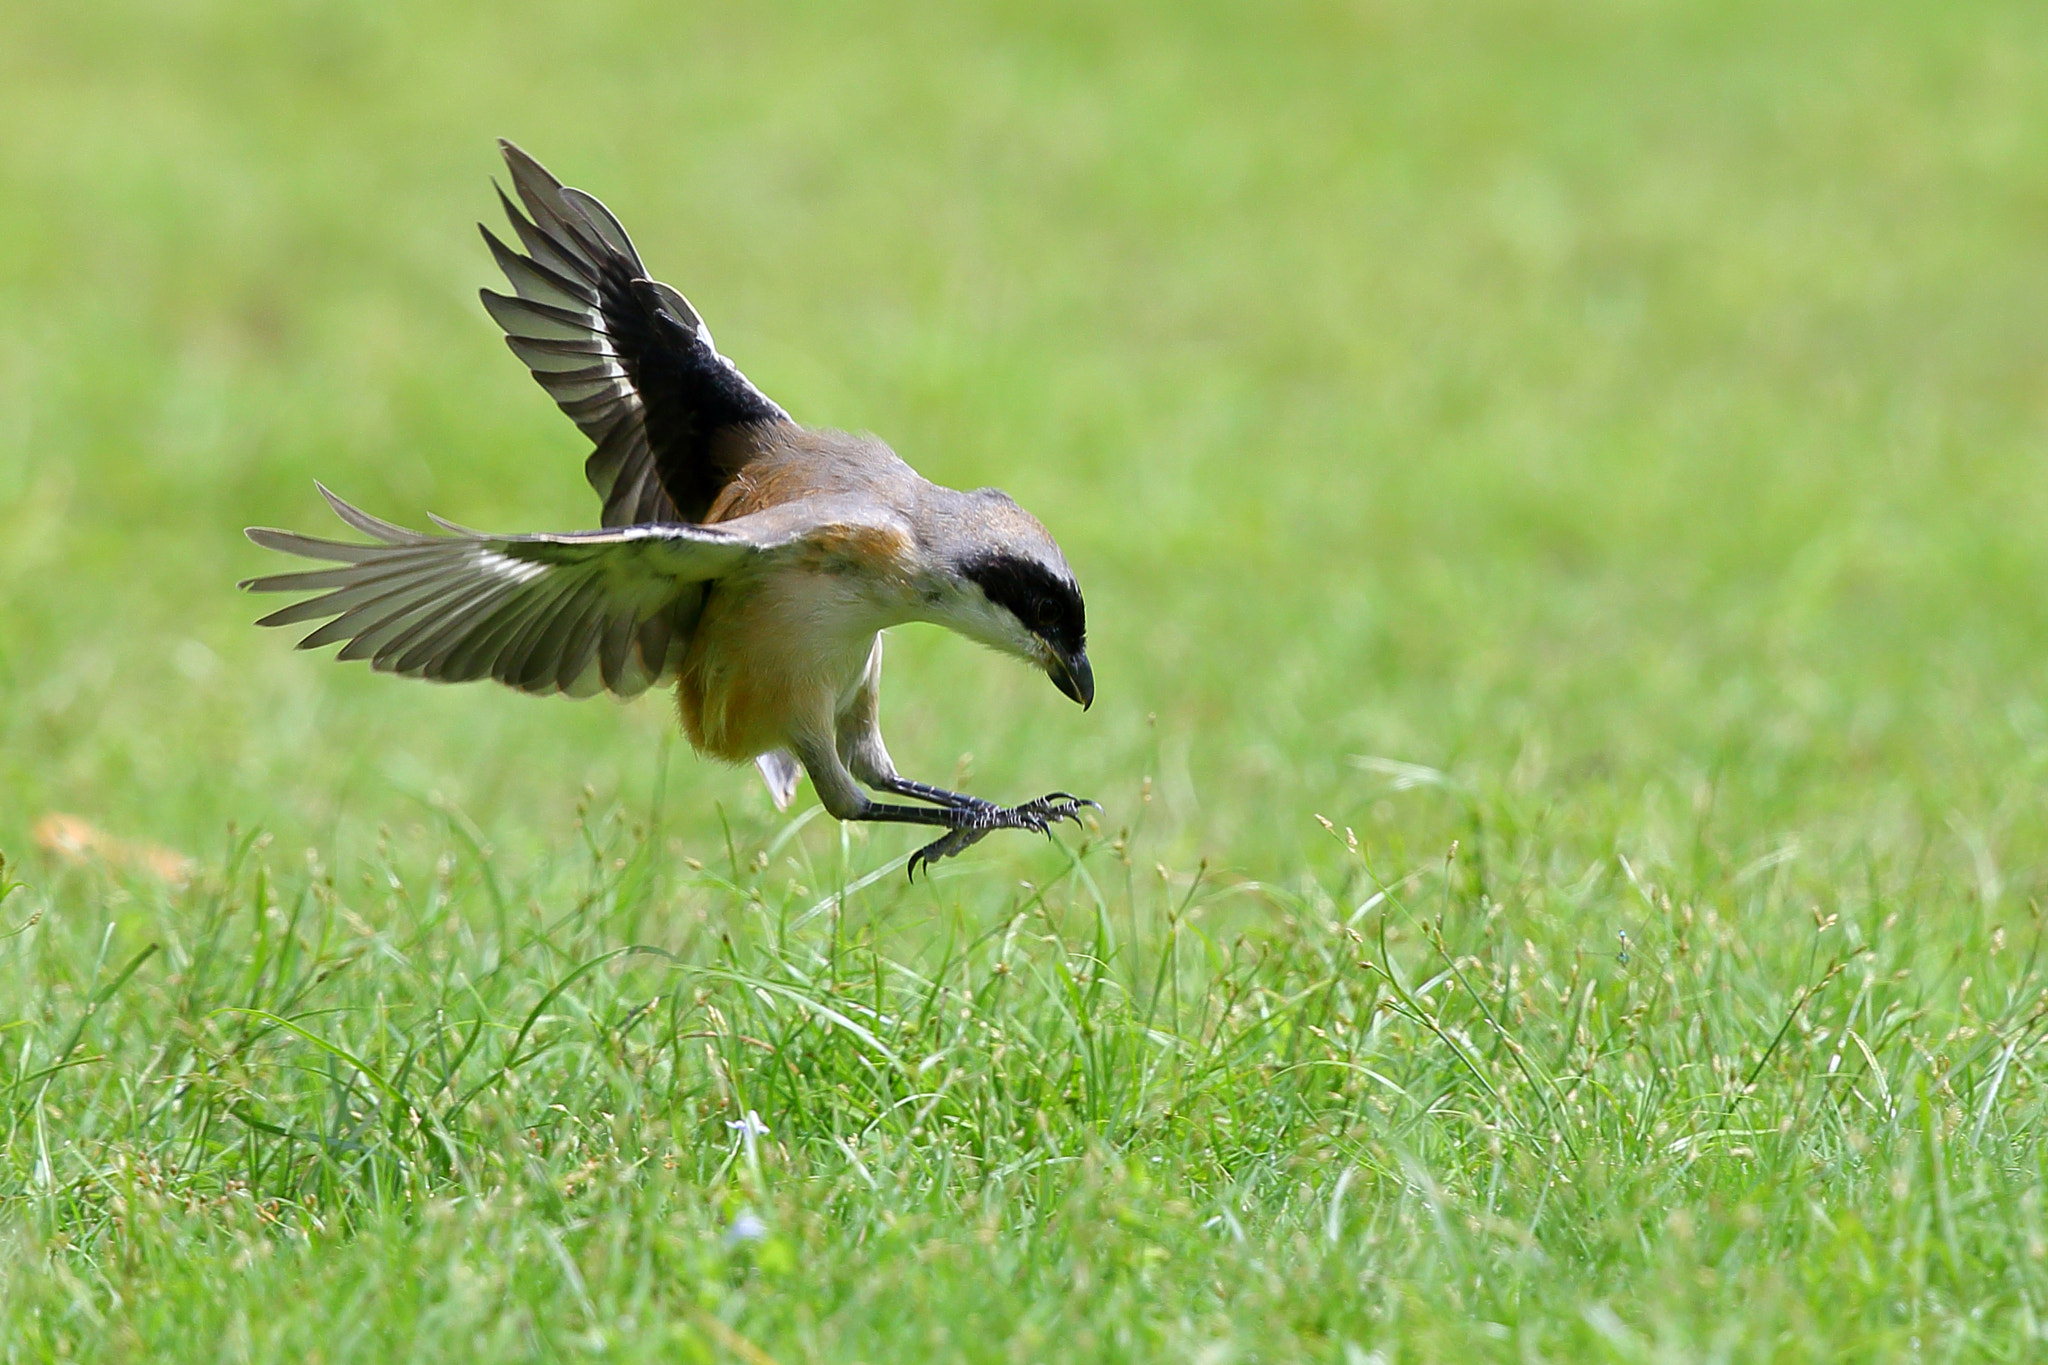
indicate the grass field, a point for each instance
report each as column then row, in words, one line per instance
column 1560, row 491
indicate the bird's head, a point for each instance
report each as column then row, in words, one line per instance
column 1010, row 588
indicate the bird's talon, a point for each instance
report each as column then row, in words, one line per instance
column 945, row 846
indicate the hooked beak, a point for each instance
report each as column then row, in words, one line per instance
column 1071, row 674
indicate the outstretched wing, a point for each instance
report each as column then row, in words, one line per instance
column 575, row 613
column 627, row 358
column 543, row 613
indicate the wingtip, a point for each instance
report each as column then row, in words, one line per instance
column 267, row 537
column 457, row 528
column 517, row 158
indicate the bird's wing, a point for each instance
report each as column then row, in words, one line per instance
column 543, row 613
column 627, row 358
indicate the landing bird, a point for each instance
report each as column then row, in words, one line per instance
column 751, row 561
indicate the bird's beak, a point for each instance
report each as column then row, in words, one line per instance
column 1071, row 674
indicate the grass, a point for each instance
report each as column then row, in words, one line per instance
column 1559, row 493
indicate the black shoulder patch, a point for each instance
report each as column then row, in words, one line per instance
column 687, row 392
column 1049, row 605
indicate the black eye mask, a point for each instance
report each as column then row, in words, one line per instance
column 1045, row 602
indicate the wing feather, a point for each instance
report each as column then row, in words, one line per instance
column 533, row 652
column 534, row 281
column 408, row 652
column 530, row 321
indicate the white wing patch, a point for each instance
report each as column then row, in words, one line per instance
column 513, row 570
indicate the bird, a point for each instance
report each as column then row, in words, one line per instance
column 748, row 561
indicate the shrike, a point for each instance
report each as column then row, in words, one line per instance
column 751, row 561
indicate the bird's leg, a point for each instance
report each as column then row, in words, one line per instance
column 979, row 821
column 923, row 791
column 966, row 819
column 987, row 816
column 966, row 826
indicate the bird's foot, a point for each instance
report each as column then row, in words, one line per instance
column 945, row 846
column 978, row 822
column 1040, row 815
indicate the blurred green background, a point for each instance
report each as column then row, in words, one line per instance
column 1608, row 433
column 1582, row 396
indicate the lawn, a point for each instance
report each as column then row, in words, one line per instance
column 1562, row 493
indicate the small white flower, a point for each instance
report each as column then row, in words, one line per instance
column 748, row 1127
column 746, row 1227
